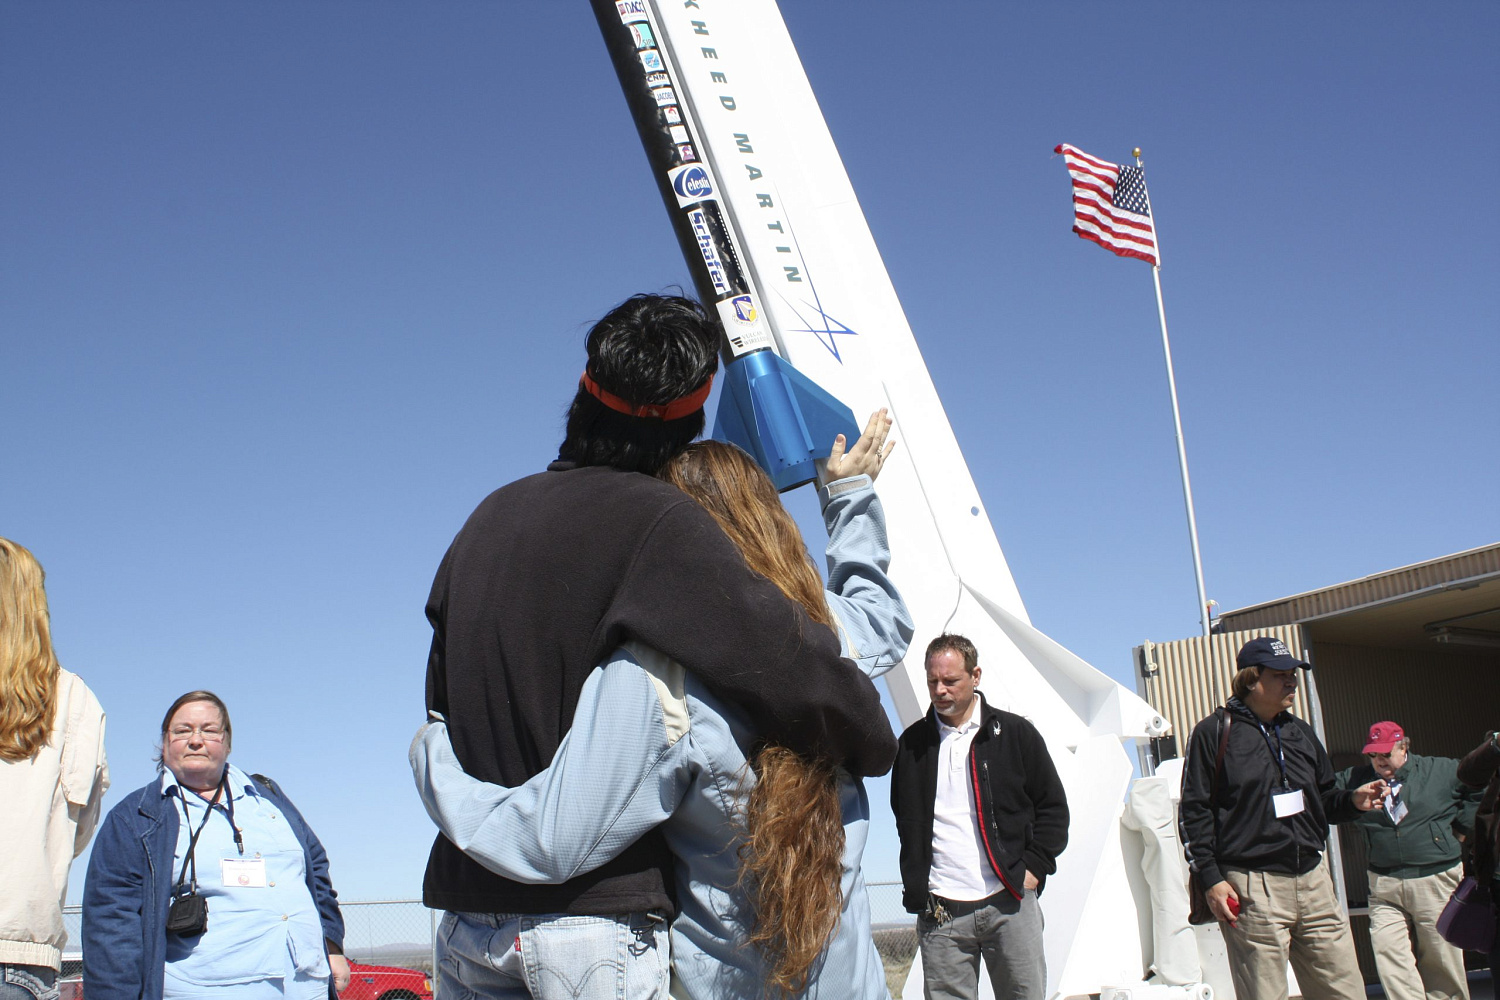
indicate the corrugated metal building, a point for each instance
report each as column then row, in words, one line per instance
column 1419, row 645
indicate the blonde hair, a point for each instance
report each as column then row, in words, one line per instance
column 791, row 860
column 28, row 666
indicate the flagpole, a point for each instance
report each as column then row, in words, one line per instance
column 1187, row 489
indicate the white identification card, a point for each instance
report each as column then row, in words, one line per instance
column 246, row 873
column 1288, row 803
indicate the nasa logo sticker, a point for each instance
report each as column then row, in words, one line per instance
column 690, row 184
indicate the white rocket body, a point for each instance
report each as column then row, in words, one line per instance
column 835, row 316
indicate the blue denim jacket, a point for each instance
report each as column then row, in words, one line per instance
column 129, row 888
column 650, row 745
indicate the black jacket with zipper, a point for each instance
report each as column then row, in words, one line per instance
column 1239, row 829
column 1021, row 802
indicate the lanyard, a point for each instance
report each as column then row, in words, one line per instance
column 192, row 848
column 1277, row 754
column 239, row 839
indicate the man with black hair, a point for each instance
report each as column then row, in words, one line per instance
column 552, row 572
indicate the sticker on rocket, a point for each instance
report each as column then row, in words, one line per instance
column 690, row 184
column 664, row 96
column 685, row 154
column 678, row 133
column 654, row 80
column 642, row 35
column 651, row 59
column 742, row 325
column 631, row 10
column 672, row 114
column 698, row 219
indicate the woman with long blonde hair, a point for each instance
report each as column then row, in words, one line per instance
column 767, row 843
column 52, row 779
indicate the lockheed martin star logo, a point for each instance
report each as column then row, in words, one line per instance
column 823, row 326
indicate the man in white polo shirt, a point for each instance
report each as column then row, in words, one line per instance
column 982, row 818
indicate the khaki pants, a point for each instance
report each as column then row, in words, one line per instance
column 1414, row 962
column 1294, row 917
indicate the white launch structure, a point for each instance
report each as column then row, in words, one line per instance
column 829, row 303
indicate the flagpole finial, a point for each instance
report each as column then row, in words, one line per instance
column 1136, row 152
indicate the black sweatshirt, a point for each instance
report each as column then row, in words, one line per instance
column 548, row 576
column 1240, row 828
column 1021, row 800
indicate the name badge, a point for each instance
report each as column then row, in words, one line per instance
column 1288, row 803
column 243, row 873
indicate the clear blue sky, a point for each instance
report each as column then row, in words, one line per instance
column 286, row 289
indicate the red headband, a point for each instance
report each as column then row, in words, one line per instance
column 675, row 410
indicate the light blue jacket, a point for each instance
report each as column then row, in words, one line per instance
column 651, row 746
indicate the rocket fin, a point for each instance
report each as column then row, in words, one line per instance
column 784, row 419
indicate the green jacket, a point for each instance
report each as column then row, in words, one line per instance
column 1439, row 806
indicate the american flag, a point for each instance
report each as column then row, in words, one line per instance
column 1110, row 205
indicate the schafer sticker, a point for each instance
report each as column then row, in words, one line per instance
column 690, row 184
column 699, row 220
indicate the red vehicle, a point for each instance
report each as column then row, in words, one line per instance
column 386, row 982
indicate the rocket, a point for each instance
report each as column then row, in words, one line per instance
column 776, row 239
column 783, row 418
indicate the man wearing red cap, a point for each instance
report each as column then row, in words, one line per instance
column 1413, row 844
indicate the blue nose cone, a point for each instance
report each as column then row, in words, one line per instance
column 780, row 416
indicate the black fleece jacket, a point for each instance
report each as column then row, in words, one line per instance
column 1021, row 801
column 1239, row 829
column 547, row 576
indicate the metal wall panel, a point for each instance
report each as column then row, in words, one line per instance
column 1445, row 698
column 1187, row 679
column 1475, row 563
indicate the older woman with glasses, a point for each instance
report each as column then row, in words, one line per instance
column 207, row 883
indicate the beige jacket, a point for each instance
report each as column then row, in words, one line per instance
column 51, row 806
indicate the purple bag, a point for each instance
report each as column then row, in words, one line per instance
column 1468, row 921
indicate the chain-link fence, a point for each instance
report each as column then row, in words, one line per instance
column 401, row 933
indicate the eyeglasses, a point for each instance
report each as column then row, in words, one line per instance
column 209, row 734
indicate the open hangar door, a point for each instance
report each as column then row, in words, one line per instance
column 1419, row 645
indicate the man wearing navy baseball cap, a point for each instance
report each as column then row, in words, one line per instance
column 1413, row 845
column 1258, row 793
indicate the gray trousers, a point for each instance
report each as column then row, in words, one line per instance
column 1005, row 930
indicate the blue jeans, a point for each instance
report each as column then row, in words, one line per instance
column 552, row 956
column 28, row 982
